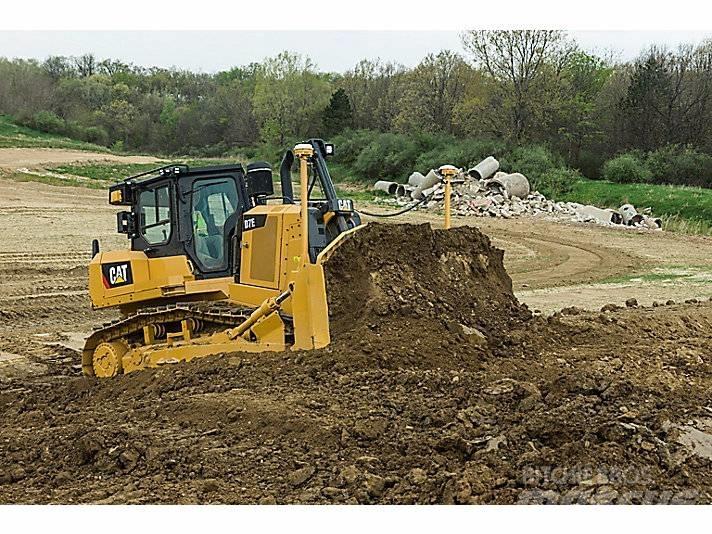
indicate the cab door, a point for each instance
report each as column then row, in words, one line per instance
column 213, row 215
column 155, row 232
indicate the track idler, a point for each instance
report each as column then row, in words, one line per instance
column 107, row 358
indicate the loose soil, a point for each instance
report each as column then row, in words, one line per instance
column 439, row 385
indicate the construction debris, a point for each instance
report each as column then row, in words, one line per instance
column 483, row 191
column 513, row 185
column 484, row 169
column 386, row 187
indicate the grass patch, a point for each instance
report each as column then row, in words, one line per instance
column 14, row 136
column 683, row 209
column 114, row 172
column 348, row 191
column 696, row 274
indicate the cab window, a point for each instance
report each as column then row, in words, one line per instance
column 155, row 215
column 213, row 203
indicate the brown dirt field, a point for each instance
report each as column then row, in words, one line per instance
column 408, row 405
column 15, row 158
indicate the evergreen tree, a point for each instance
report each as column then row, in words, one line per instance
column 337, row 115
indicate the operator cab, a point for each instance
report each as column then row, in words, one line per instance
column 185, row 211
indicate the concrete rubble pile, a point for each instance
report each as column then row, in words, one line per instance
column 484, row 191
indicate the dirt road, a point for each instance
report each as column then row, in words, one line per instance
column 619, row 402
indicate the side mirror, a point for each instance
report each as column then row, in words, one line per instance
column 125, row 223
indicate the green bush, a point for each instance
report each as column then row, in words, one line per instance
column 350, row 144
column 628, row 168
column 387, row 156
column 372, row 155
column 96, row 134
column 268, row 152
column 557, row 182
column 92, row 134
column 532, row 161
column 545, row 171
column 46, row 121
column 678, row 165
column 463, row 153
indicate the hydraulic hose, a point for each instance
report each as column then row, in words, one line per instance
column 401, row 212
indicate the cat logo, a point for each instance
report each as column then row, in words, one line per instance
column 345, row 204
column 116, row 274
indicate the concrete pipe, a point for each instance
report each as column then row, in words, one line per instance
column 431, row 179
column 484, row 169
column 386, row 187
column 514, row 185
column 616, row 218
column 401, row 191
column 627, row 211
column 416, row 179
column 593, row 213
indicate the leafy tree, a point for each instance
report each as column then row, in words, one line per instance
column 374, row 90
column 58, row 67
column 85, row 65
column 517, row 60
column 433, row 90
column 112, row 67
column 531, row 98
column 289, row 97
column 581, row 81
column 669, row 99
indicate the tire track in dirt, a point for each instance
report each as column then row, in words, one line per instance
column 26, row 259
column 550, row 262
column 32, row 210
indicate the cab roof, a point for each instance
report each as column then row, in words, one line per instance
column 178, row 171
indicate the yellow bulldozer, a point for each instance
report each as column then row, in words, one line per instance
column 217, row 262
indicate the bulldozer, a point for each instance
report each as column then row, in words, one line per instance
column 217, row 262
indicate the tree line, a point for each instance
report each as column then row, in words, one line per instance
column 518, row 88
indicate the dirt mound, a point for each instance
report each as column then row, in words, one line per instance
column 405, row 271
column 395, row 284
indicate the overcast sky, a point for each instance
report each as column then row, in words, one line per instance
column 211, row 51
